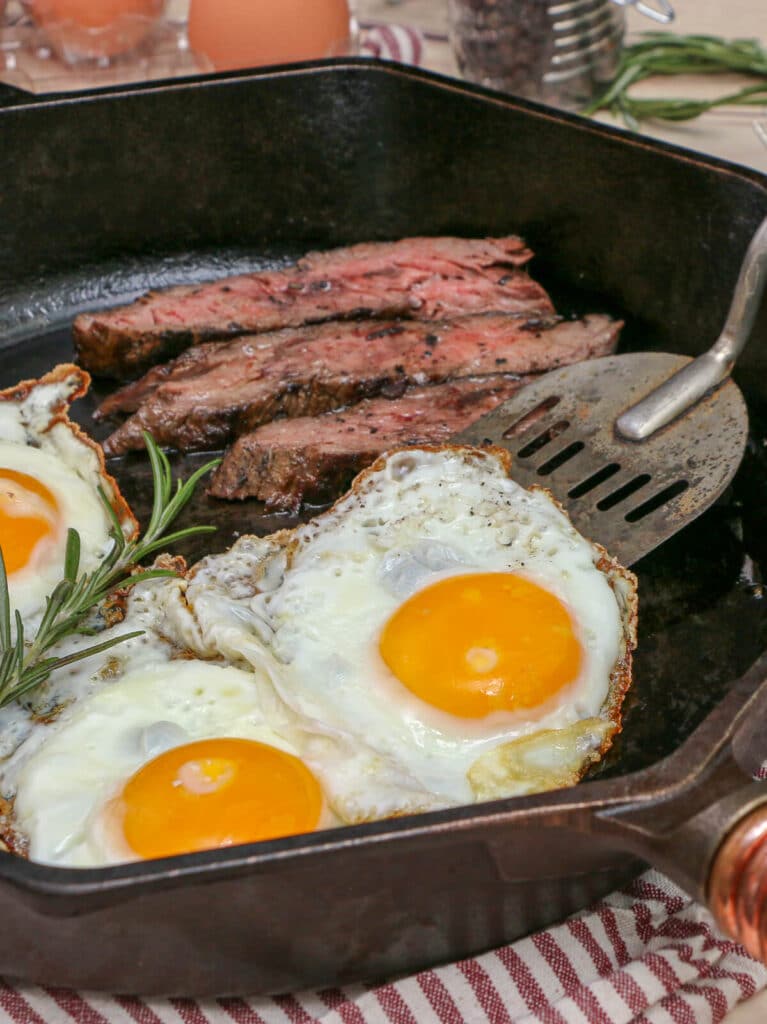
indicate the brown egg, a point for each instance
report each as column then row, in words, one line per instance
column 235, row 34
column 95, row 29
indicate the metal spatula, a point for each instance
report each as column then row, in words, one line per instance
column 635, row 446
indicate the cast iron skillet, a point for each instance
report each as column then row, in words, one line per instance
column 107, row 193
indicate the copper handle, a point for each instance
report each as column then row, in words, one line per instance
column 737, row 884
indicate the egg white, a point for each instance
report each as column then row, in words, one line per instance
column 78, row 506
column 63, row 789
column 297, row 617
column 37, row 438
column 308, row 607
column 25, row 725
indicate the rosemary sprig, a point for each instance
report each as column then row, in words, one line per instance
column 664, row 53
column 23, row 663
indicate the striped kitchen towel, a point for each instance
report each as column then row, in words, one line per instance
column 401, row 43
column 645, row 955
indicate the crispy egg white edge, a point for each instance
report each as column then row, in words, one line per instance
column 36, row 412
column 34, row 417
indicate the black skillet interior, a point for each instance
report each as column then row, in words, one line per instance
column 106, row 196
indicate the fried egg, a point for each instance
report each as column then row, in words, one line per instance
column 137, row 751
column 171, row 759
column 440, row 636
column 447, row 635
column 50, row 475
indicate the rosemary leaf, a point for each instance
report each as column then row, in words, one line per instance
column 665, row 53
column 160, row 476
column 5, row 607
column 19, row 642
column 117, row 531
column 86, row 652
column 172, row 538
column 150, row 574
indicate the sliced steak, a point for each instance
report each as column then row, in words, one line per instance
column 200, row 360
column 313, row 459
column 336, row 367
column 418, row 278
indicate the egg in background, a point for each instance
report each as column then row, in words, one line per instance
column 95, row 29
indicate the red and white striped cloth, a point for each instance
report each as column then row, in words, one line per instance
column 644, row 955
column 391, row 42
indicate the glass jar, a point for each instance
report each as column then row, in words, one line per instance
column 561, row 52
column 95, row 30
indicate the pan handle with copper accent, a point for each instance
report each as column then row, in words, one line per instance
column 705, row 824
column 737, row 883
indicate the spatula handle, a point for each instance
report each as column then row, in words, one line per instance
column 661, row 10
column 737, row 886
column 692, row 382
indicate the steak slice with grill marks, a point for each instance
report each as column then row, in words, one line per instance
column 416, row 278
column 199, row 361
column 335, row 365
column 314, row 458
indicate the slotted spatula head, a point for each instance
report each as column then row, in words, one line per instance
column 629, row 496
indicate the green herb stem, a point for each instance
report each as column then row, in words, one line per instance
column 664, row 53
column 23, row 662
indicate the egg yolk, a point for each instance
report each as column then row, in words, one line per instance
column 29, row 515
column 215, row 793
column 482, row 642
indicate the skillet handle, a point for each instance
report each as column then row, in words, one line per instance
column 737, row 883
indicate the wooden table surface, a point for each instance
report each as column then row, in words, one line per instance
column 727, row 133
